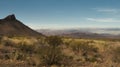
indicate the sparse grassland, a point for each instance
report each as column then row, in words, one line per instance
column 56, row 51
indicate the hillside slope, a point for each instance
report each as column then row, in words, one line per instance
column 10, row 26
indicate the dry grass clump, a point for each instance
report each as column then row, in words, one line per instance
column 116, row 54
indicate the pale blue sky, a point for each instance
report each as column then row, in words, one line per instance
column 61, row 14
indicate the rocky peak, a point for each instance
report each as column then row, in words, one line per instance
column 10, row 26
column 10, row 17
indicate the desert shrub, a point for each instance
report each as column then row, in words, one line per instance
column 41, row 40
column 54, row 41
column 18, row 55
column 0, row 39
column 6, row 57
column 89, row 52
column 8, row 43
column 67, row 44
column 13, row 55
column 83, row 47
column 51, row 54
column 25, row 48
column 116, row 54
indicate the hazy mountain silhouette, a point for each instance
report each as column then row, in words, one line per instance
column 10, row 26
column 110, row 33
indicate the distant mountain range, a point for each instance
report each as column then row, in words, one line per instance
column 85, row 32
column 10, row 26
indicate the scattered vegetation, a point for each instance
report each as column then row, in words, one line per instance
column 54, row 51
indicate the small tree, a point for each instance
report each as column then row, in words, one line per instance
column 51, row 54
column 54, row 41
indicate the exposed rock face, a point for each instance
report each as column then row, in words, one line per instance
column 10, row 26
column 10, row 17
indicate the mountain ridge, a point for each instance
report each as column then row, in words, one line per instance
column 84, row 32
column 10, row 26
